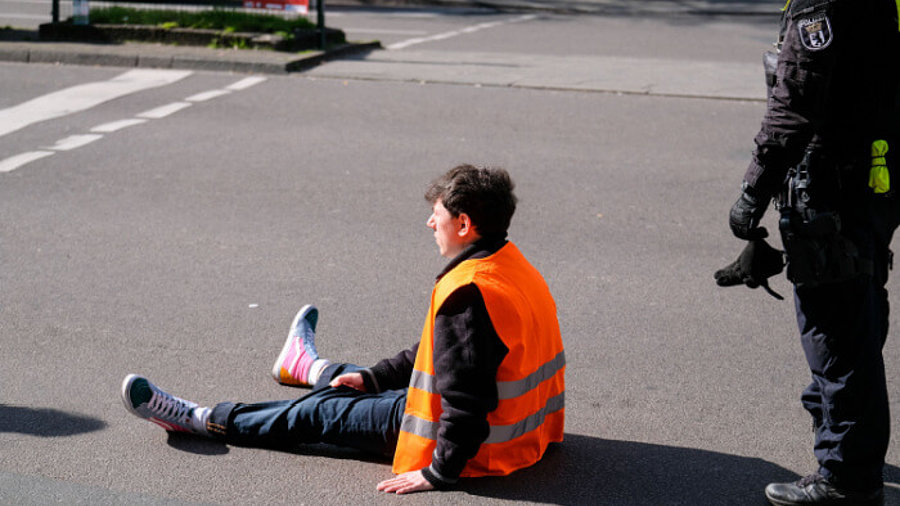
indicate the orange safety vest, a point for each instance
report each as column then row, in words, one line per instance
column 530, row 385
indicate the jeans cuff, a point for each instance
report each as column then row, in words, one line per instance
column 217, row 424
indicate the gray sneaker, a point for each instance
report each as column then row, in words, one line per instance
column 148, row 401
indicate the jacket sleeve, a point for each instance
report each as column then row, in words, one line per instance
column 797, row 101
column 391, row 373
column 467, row 354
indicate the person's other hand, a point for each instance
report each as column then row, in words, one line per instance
column 406, row 483
column 353, row 380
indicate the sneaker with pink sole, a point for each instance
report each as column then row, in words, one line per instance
column 295, row 363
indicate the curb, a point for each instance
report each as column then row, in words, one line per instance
column 351, row 48
column 132, row 55
column 112, row 33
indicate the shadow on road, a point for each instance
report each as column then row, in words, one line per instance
column 46, row 422
column 198, row 445
column 590, row 470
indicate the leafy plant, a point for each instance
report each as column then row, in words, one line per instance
column 215, row 19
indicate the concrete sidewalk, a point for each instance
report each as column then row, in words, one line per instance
column 604, row 74
column 357, row 60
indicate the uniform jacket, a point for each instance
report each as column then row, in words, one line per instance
column 834, row 90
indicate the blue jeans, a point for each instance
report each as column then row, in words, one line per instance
column 339, row 416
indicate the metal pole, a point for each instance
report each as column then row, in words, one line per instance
column 320, row 8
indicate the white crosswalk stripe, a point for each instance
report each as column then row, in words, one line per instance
column 14, row 162
column 74, row 141
column 163, row 111
column 115, row 126
column 82, row 97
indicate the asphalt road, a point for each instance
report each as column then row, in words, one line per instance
column 180, row 247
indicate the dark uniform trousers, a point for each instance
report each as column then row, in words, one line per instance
column 843, row 329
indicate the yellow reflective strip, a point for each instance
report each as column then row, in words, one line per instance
column 898, row 15
column 789, row 3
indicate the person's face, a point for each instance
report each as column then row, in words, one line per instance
column 451, row 233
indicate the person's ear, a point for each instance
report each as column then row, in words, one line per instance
column 465, row 226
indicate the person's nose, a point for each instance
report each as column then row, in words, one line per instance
column 430, row 222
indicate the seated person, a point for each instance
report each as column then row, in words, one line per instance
column 482, row 393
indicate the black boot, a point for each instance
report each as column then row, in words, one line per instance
column 816, row 490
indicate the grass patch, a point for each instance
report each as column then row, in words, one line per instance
column 216, row 19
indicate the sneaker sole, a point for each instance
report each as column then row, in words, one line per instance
column 276, row 369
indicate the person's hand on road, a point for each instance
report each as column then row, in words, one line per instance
column 406, row 483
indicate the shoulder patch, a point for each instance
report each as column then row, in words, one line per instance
column 815, row 32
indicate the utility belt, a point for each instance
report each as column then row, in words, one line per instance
column 817, row 251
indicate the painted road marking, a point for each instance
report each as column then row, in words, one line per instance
column 163, row 111
column 454, row 33
column 84, row 96
column 207, row 95
column 385, row 31
column 245, row 83
column 14, row 162
column 115, row 126
column 74, row 141
column 77, row 141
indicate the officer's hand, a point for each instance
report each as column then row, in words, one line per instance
column 745, row 216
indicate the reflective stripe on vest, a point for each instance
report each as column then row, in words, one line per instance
column 499, row 433
column 530, row 380
column 505, row 389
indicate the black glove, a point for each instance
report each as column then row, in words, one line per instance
column 746, row 214
column 755, row 265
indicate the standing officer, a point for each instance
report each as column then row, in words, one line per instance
column 826, row 143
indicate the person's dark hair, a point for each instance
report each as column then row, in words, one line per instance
column 484, row 193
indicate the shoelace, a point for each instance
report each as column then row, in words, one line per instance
column 307, row 338
column 170, row 406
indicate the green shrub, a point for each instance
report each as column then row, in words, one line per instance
column 215, row 19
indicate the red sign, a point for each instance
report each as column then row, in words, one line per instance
column 298, row 6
